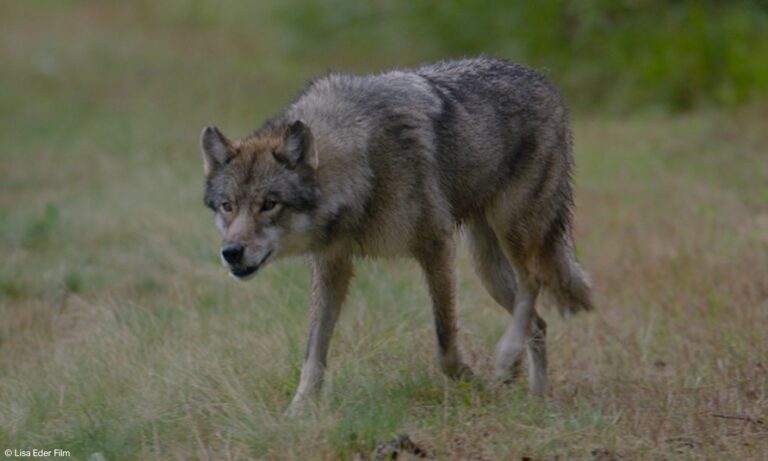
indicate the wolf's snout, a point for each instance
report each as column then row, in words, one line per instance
column 232, row 253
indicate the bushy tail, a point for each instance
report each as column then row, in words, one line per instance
column 565, row 280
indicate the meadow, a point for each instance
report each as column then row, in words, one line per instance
column 123, row 338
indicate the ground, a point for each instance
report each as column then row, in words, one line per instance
column 121, row 334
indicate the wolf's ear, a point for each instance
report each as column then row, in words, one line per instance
column 298, row 147
column 215, row 149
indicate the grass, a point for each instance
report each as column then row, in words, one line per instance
column 122, row 335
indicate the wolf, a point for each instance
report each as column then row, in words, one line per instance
column 392, row 165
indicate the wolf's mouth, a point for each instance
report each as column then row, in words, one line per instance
column 246, row 272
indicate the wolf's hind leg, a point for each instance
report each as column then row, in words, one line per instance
column 524, row 333
column 498, row 278
column 537, row 355
column 436, row 260
column 330, row 281
column 516, row 291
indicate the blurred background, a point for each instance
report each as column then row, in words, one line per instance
column 623, row 55
column 121, row 335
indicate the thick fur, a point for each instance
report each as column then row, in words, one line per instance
column 391, row 165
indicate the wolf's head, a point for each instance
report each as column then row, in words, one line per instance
column 263, row 191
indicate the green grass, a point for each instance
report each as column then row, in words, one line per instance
column 120, row 333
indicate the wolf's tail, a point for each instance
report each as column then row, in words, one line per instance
column 565, row 279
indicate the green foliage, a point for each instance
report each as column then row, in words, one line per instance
column 672, row 55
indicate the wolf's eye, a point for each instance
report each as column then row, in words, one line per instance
column 226, row 207
column 267, row 205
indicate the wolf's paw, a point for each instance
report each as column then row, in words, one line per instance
column 458, row 371
column 508, row 373
column 300, row 406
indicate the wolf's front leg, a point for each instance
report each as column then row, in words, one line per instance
column 330, row 280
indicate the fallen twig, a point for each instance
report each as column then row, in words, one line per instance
column 740, row 418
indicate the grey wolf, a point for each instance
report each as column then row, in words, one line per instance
column 392, row 165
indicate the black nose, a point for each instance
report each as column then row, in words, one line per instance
column 232, row 253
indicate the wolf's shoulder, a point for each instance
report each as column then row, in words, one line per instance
column 352, row 86
column 366, row 95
